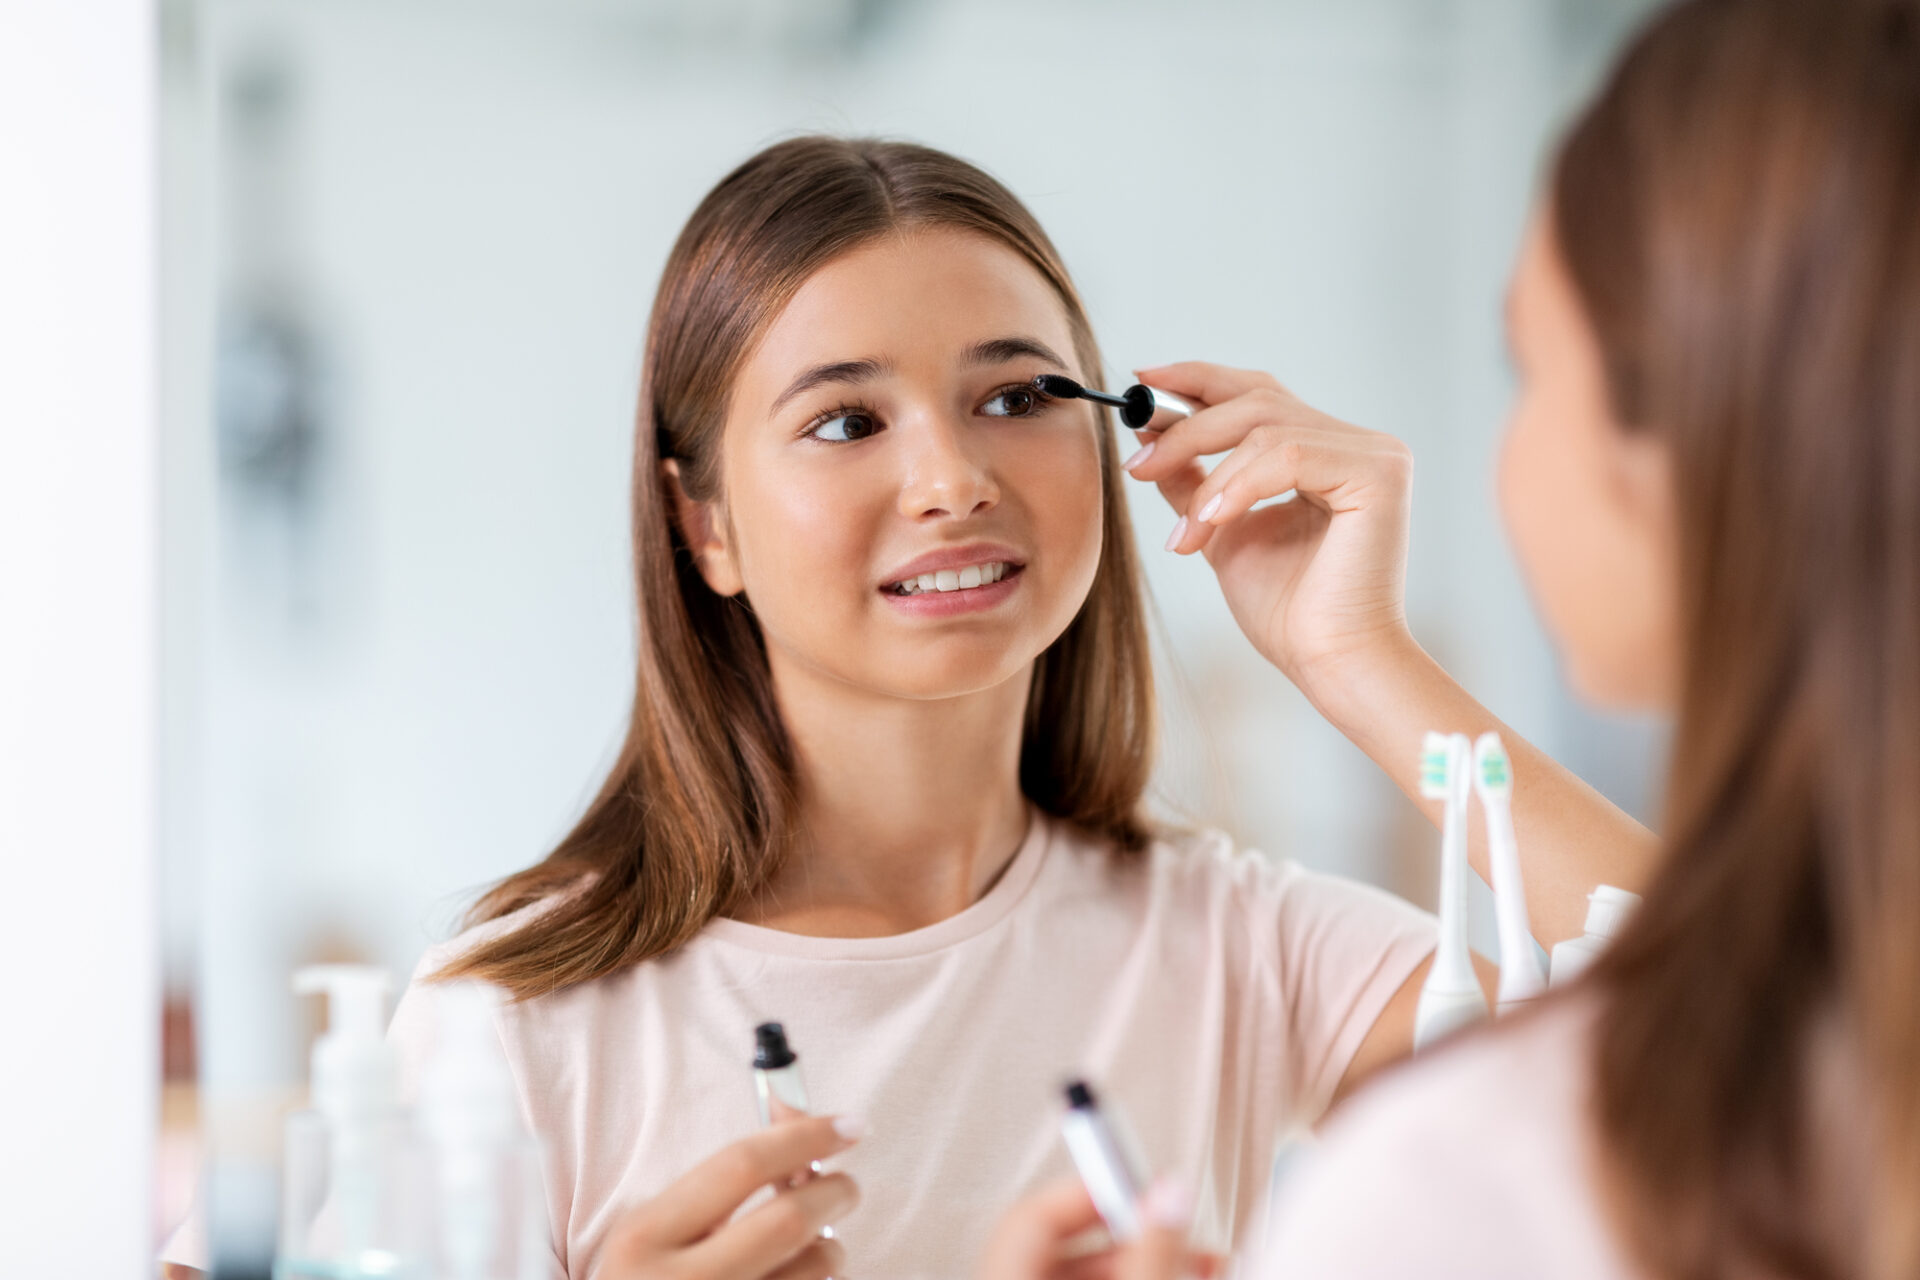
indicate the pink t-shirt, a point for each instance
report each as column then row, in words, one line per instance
column 1214, row 995
column 1480, row 1161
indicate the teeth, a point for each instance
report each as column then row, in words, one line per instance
column 974, row 575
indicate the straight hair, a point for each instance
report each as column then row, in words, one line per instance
column 1739, row 211
column 699, row 809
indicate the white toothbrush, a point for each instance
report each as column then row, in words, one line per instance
column 1520, row 976
column 1451, row 997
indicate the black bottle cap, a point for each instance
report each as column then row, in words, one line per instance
column 770, row 1048
column 1079, row 1096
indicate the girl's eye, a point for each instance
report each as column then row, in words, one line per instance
column 1014, row 402
column 846, row 427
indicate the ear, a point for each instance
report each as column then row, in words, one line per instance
column 704, row 532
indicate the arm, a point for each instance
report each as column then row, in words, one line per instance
column 1571, row 837
column 1318, row 585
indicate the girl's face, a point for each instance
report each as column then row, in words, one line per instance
column 1589, row 504
column 886, row 432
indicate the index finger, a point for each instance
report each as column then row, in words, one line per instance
column 1208, row 383
column 1027, row 1241
column 706, row 1196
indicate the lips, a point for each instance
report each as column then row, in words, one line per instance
column 954, row 559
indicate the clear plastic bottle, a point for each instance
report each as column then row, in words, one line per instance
column 1607, row 910
column 489, row 1209
column 352, row 1204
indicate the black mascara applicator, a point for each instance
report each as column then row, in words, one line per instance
column 1138, row 406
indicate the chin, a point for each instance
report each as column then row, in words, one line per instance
column 1618, row 684
column 953, row 676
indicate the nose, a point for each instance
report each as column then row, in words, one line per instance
column 947, row 472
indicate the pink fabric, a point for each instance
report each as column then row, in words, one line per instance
column 1214, row 995
column 1474, row 1163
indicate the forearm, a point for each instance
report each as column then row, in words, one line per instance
column 1571, row 838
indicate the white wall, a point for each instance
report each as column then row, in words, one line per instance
column 79, row 1053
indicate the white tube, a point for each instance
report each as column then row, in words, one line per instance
column 1451, row 996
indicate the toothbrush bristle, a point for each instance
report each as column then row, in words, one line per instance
column 1493, row 769
column 1433, row 767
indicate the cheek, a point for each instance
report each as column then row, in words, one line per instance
column 1062, row 489
column 1547, row 497
column 1585, row 563
column 802, row 540
column 1526, row 483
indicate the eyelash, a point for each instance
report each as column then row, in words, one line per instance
column 1042, row 402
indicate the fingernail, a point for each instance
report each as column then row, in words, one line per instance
column 852, row 1128
column 1212, row 509
column 1139, row 456
column 1167, row 1204
column 1179, row 532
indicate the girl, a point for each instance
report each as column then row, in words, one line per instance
column 1712, row 478
column 890, row 735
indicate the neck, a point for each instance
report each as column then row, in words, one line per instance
column 909, row 809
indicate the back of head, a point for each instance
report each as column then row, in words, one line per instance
column 1740, row 214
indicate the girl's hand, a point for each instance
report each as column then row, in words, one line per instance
column 1309, row 581
column 1030, row 1242
column 685, row 1233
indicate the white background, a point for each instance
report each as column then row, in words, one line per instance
column 79, row 562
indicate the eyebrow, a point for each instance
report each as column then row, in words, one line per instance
column 850, row 371
column 991, row 351
column 1001, row 350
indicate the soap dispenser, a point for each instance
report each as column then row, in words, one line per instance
column 353, row 1194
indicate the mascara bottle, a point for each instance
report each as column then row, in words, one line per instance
column 781, row 1093
column 1103, row 1152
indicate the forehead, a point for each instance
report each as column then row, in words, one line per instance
column 916, row 299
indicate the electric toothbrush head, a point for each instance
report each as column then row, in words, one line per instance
column 1521, row 977
column 1451, row 997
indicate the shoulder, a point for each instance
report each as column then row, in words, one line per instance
column 1209, row 864
column 441, row 954
column 1272, row 905
column 1478, row 1156
column 416, row 1015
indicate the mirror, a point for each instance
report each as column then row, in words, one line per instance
column 410, row 249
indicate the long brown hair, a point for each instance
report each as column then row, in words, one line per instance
column 1740, row 213
column 700, row 807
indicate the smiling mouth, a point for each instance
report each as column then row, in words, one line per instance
column 950, row 580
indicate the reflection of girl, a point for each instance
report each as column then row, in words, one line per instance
column 1712, row 476
column 901, row 812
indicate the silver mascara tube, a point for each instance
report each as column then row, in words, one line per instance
column 1145, row 403
column 1103, row 1152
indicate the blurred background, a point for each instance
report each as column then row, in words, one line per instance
column 409, row 247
